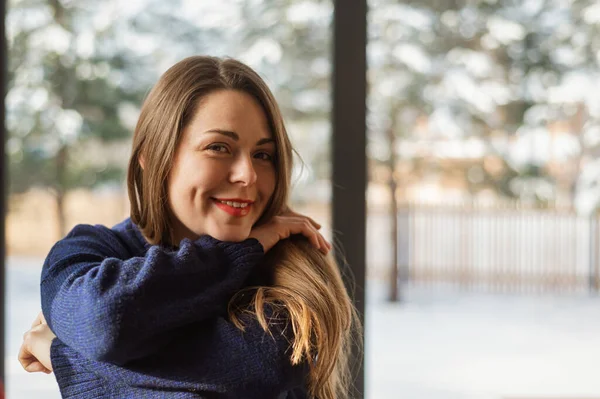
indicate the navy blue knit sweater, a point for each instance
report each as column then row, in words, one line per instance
column 134, row 320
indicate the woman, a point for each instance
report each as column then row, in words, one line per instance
column 213, row 287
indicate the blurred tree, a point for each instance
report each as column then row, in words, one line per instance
column 491, row 73
column 70, row 86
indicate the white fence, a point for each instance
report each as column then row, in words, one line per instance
column 533, row 250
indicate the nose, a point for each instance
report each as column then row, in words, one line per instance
column 243, row 171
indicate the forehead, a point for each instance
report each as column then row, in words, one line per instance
column 231, row 110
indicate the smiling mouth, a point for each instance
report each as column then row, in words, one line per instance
column 234, row 207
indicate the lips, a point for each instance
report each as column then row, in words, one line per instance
column 234, row 206
column 239, row 200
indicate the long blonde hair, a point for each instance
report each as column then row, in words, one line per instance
column 307, row 286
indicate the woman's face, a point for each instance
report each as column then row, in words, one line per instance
column 223, row 173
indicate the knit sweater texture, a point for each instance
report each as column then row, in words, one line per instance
column 135, row 320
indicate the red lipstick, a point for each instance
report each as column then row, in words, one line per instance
column 238, row 211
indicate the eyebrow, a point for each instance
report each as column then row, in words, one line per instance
column 236, row 137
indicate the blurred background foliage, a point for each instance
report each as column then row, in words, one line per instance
column 469, row 100
column 79, row 71
column 487, row 100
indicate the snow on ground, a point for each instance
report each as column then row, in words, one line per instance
column 446, row 345
column 433, row 345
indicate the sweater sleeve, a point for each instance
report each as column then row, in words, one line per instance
column 208, row 359
column 215, row 356
column 112, row 308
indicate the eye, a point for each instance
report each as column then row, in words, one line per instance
column 265, row 156
column 220, row 148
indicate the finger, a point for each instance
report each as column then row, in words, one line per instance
column 26, row 362
column 311, row 220
column 312, row 234
column 302, row 226
column 40, row 319
column 37, row 320
column 324, row 244
column 36, row 367
column 25, row 357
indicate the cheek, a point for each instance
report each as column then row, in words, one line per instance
column 177, row 177
column 199, row 176
column 267, row 184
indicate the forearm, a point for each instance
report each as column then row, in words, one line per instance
column 117, row 310
column 216, row 356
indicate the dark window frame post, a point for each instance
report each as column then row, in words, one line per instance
column 349, row 170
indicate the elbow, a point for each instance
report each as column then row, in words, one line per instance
column 104, row 346
column 117, row 344
column 102, row 337
column 95, row 339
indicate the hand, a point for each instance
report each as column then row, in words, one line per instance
column 34, row 354
column 282, row 226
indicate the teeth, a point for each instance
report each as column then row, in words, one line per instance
column 235, row 204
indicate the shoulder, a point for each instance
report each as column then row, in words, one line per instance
column 97, row 239
column 94, row 234
column 130, row 234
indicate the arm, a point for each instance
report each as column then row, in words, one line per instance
column 114, row 309
column 224, row 357
column 209, row 357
